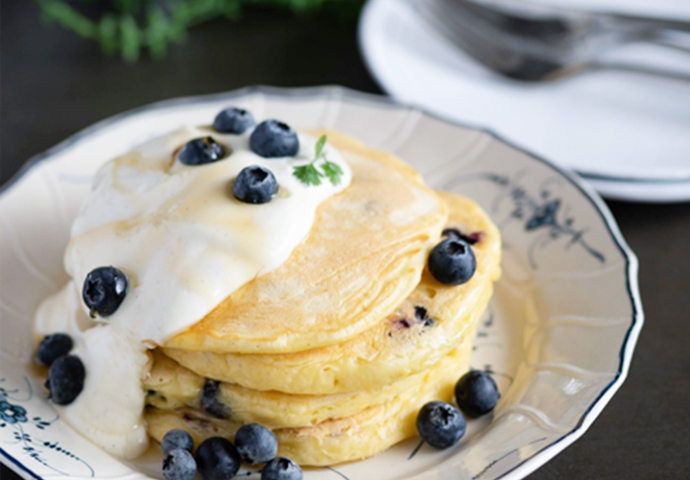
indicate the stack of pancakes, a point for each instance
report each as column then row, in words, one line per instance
column 338, row 349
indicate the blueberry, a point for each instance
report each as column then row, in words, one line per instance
column 53, row 347
column 452, row 261
column 255, row 444
column 179, row 464
column 233, row 120
column 440, row 424
column 201, row 151
column 272, row 139
column 476, row 393
column 104, row 290
column 210, row 402
column 175, row 439
column 217, row 459
column 255, row 184
column 65, row 379
column 281, row 468
column 471, row 238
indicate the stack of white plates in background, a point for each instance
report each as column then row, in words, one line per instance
column 625, row 131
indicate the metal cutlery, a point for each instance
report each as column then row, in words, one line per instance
column 539, row 43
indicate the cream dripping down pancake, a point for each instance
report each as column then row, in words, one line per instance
column 325, row 263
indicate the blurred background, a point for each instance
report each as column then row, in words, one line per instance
column 602, row 87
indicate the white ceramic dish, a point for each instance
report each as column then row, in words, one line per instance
column 558, row 336
column 650, row 192
column 609, row 123
column 678, row 9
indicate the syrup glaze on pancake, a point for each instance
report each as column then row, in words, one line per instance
column 364, row 255
column 424, row 328
column 336, row 440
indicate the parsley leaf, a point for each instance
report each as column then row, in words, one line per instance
column 319, row 147
column 333, row 172
column 309, row 174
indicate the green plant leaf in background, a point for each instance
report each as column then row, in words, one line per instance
column 130, row 38
column 107, row 34
column 129, row 26
column 66, row 16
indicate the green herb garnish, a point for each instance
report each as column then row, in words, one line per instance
column 332, row 171
column 310, row 174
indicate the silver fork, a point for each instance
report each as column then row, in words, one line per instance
column 538, row 43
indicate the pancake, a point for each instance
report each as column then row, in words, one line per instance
column 336, row 440
column 171, row 386
column 365, row 253
column 415, row 336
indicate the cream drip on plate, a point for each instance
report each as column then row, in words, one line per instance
column 185, row 244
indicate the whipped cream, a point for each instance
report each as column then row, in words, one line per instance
column 185, row 244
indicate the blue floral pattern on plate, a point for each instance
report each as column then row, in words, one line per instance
column 15, row 416
column 542, row 212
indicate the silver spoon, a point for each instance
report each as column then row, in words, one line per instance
column 538, row 43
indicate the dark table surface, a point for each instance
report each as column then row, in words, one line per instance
column 54, row 84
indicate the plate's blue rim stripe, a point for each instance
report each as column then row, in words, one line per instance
column 18, row 464
column 368, row 98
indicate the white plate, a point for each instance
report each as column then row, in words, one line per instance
column 609, row 123
column 676, row 9
column 650, row 192
column 558, row 336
